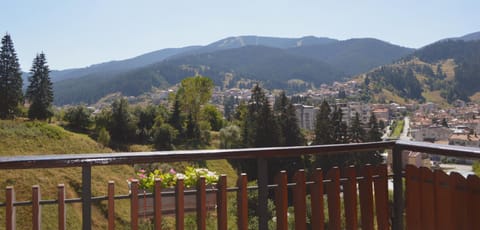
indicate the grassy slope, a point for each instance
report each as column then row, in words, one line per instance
column 32, row 138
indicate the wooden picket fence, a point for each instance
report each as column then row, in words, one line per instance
column 435, row 200
column 366, row 186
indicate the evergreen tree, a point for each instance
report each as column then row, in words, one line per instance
column 40, row 92
column 146, row 118
column 177, row 118
column 122, row 125
column 356, row 131
column 290, row 134
column 340, row 129
column 323, row 126
column 374, row 133
column 164, row 136
column 261, row 129
column 11, row 82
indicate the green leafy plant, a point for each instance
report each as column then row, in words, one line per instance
column 169, row 179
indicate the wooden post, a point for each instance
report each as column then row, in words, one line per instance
column 158, row 203
column 86, row 197
column 201, row 204
column 281, row 200
column 222, row 203
column 318, row 215
column 179, row 204
column 10, row 196
column 333, row 192
column 350, row 198
column 61, row 207
column 366, row 197
column 111, row 205
column 242, row 202
column 398, row 199
column 381, row 197
column 134, row 204
column 299, row 202
column 36, row 210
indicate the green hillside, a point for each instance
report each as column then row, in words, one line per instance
column 19, row 138
column 440, row 73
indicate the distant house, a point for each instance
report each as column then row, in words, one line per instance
column 431, row 133
column 382, row 114
column 463, row 139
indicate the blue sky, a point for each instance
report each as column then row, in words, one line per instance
column 80, row 33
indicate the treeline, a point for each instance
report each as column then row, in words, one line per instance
column 39, row 94
column 188, row 121
column 186, row 124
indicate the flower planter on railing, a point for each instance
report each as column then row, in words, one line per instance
column 168, row 181
column 145, row 203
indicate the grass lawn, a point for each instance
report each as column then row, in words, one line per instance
column 398, row 129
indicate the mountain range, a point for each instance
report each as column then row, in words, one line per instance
column 231, row 62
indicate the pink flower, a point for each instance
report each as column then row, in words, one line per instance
column 142, row 176
column 172, row 171
column 141, row 171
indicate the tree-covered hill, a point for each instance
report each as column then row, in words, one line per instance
column 442, row 72
column 354, row 56
column 272, row 66
column 276, row 62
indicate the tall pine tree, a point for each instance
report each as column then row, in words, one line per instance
column 261, row 129
column 40, row 92
column 340, row 128
column 290, row 134
column 10, row 80
column 374, row 133
column 356, row 131
column 323, row 126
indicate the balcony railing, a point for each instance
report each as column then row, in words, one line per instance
column 430, row 197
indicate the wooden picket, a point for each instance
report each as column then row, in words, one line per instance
column 299, row 200
column 382, row 209
column 435, row 200
column 333, row 194
column 316, row 194
column 350, row 198
column 281, row 200
column 242, row 202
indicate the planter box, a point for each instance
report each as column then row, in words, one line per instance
column 145, row 204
